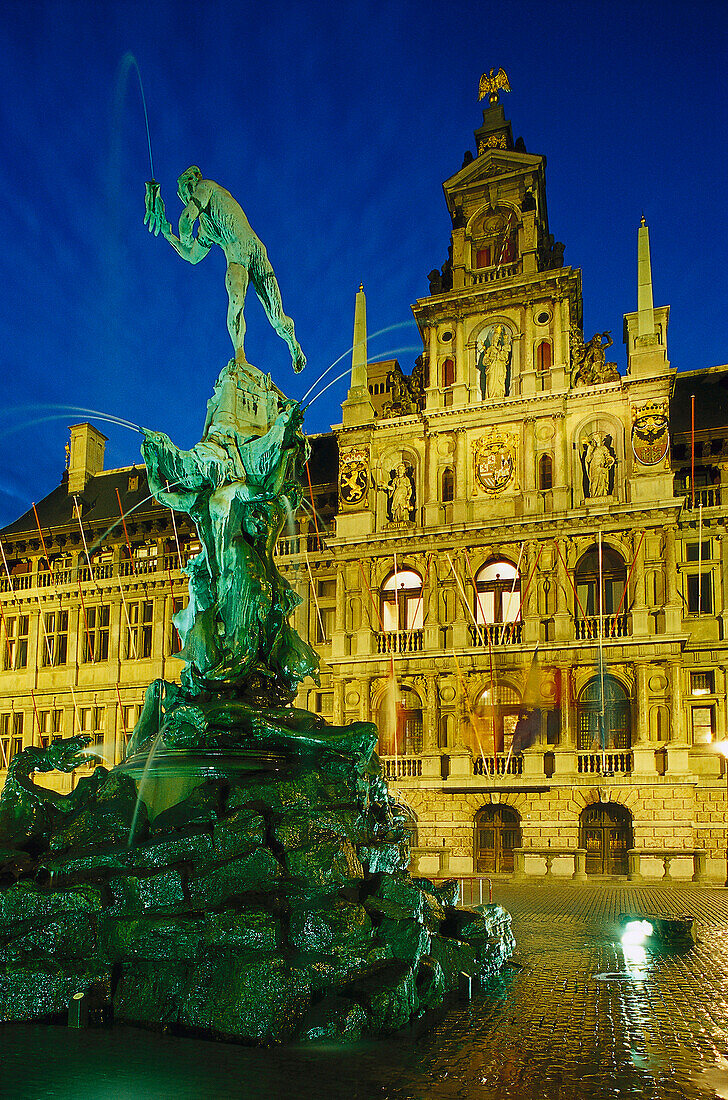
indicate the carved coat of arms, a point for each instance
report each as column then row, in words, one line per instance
column 494, row 459
column 650, row 432
column 353, row 477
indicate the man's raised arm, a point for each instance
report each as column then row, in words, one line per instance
column 186, row 245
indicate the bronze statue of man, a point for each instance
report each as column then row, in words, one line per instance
column 222, row 221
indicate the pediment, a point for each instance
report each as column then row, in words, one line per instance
column 489, row 165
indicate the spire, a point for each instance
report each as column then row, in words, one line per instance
column 645, row 307
column 359, row 350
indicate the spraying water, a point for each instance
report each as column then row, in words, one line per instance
column 128, row 61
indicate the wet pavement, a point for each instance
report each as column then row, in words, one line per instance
column 578, row 1017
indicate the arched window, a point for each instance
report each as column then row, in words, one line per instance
column 605, row 830
column 497, row 833
column 448, row 373
column 545, row 472
column 543, row 357
column 401, row 601
column 448, row 485
column 603, row 718
column 399, row 721
column 497, row 593
column 501, row 708
column 611, row 578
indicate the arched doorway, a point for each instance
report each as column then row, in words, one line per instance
column 497, row 833
column 605, row 830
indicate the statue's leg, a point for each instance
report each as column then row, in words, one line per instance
column 236, row 282
column 266, row 287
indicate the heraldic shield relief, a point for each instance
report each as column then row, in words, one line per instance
column 353, row 477
column 494, row 457
column 650, row 432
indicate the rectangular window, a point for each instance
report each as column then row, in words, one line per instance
column 95, row 628
column 325, row 618
column 175, row 642
column 51, row 725
column 139, row 630
column 11, row 736
column 16, row 642
column 700, row 594
column 326, row 590
column 92, row 720
column 482, row 257
column 697, row 551
column 54, row 643
column 324, row 702
column 703, row 727
column 702, row 683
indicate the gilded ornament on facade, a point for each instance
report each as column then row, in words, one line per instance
column 490, row 83
column 494, row 460
column 650, row 432
column 353, row 476
column 495, row 141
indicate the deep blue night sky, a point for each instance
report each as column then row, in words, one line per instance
column 334, row 127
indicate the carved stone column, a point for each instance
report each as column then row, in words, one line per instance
column 562, row 618
column 673, row 614
column 528, row 378
column 529, row 464
column 461, row 633
column 461, row 395
column 462, row 473
column 338, row 702
column 724, row 572
column 677, row 727
column 640, row 614
column 561, row 489
column 531, row 622
column 642, row 728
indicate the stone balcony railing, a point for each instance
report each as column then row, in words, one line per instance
column 498, row 765
column 607, row 627
column 399, row 641
column 707, row 498
column 496, row 634
column 607, row 763
column 481, row 276
column 401, row 767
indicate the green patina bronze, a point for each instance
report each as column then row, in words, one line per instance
column 243, row 874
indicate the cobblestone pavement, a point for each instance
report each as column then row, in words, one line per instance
column 577, row 1018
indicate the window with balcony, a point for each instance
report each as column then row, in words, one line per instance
column 600, row 586
column 497, row 593
column 603, row 716
column 401, row 601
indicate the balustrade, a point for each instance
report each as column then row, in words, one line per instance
column 401, row 767
column 606, row 626
column 498, row 765
column 497, row 634
column 614, row 763
column 493, row 274
column 708, row 498
column 400, row 641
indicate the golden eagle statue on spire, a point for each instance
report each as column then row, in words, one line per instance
column 490, row 83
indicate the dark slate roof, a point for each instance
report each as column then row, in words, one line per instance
column 98, row 503
column 100, row 507
column 710, row 388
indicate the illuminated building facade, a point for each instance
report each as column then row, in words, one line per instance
column 518, row 569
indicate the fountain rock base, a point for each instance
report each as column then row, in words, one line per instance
column 270, row 904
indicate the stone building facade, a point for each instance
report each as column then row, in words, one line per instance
column 517, row 566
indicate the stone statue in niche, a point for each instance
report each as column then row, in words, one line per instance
column 401, row 493
column 493, row 356
column 599, row 463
